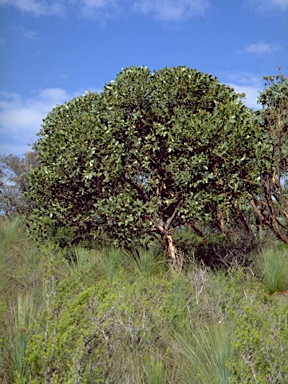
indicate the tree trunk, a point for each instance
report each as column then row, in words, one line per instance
column 170, row 247
column 173, row 253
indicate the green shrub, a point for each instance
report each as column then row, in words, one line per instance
column 260, row 340
column 89, row 334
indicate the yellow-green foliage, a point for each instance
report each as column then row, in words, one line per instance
column 261, row 341
column 85, row 332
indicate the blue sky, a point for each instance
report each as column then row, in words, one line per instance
column 53, row 50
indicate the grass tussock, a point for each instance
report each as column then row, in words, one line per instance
column 203, row 353
column 272, row 268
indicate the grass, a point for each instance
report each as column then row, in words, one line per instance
column 145, row 262
column 21, row 295
column 21, row 318
column 203, row 352
column 145, row 324
column 154, row 370
column 272, row 268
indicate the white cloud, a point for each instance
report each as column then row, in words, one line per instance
column 251, row 93
column 165, row 10
column 261, row 48
column 244, row 82
column 172, row 10
column 21, row 118
column 36, row 7
column 99, row 8
column 267, row 5
column 27, row 34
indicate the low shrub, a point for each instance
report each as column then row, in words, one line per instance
column 87, row 335
column 260, row 340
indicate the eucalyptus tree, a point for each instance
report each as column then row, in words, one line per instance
column 152, row 152
column 13, row 183
column 271, row 206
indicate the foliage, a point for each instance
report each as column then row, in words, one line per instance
column 271, row 206
column 152, row 152
column 260, row 339
column 218, row 250
column 86, row 332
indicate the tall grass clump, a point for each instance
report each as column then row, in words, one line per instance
column 154, row 371
column 272, row 267
column 110, row 262
column 107, row 315
column 79, row 264
column 19, row 321
column 13, row 240
column 202, row 354
column 11, row 233
column 143, row 261
column 20, row 295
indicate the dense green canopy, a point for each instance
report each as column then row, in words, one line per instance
column 152, row 152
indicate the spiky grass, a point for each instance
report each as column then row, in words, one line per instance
column 147, row 262
column 13, row 240
column 272, row 267
column 19, row 323
column 11, row 233
column 20, row 292
column 79, row 264
column 202, row 354
column 110, row 262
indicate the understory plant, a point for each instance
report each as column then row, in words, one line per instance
column 272, row 268
column 76, row 315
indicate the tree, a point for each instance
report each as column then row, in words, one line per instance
column 151, row 153
column 13, row 183
column 271, row 206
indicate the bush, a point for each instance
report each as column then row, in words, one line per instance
column 92, row 334
column 260, row 340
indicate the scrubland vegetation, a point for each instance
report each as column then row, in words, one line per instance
column 108, row 316
column 144, row 239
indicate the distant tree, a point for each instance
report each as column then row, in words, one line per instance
column 151, row 153
column 13, row 182
column 271, row 206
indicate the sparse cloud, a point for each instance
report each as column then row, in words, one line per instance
column 27, row 34
column 261, row 48
column 268, row 5
column 99, row 9
column 21, row 118
column 172, row 10
column 36, row 7
column 164, row 10
column 244, row 82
